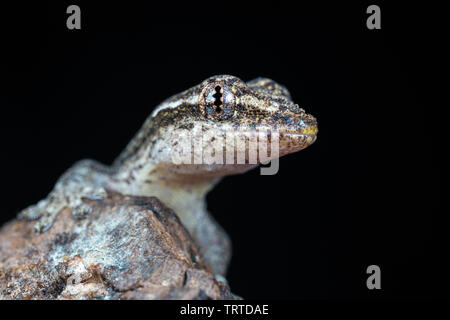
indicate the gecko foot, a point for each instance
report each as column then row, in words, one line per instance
column 81, row 211
column 96, row 194
column 44, row 223
column 46, row 211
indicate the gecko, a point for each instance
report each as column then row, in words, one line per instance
column 223, row 107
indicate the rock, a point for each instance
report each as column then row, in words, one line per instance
column 128, row 248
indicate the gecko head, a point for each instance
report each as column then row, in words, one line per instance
column 223, row 109
column 259, row 106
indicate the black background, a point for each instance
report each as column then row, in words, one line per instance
column 364, row 193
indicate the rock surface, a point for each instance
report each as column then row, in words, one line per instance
column 128, row 248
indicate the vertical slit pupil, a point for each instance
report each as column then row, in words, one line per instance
column 218, row 99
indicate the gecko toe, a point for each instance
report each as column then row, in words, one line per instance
column 97, row 194
column 44, row 223
column 81, row 211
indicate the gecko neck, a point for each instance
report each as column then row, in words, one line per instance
column 185, row 194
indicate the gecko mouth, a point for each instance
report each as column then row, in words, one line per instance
column 299, row 136
column 305, row 135
column 273, row 143
column 237, row 151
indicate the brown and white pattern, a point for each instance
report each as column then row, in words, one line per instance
column 222, row 108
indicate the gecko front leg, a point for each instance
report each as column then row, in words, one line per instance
column 86, row 179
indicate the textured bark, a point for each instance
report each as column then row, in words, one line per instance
column 128, row 248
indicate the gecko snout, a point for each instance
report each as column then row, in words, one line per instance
column 298, row 130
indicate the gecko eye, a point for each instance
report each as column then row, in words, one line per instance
column 217, row 102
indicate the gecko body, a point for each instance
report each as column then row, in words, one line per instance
column 221, row 109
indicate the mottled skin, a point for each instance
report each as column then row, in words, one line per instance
column 222, row 105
